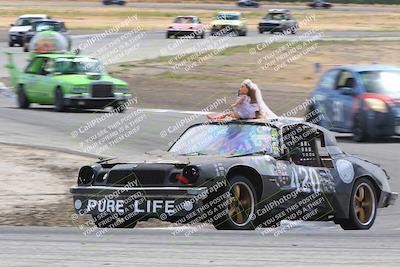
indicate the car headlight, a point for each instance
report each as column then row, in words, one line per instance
column 191, row 173
column 86, row 175
column 79, row 90
column 376, row 104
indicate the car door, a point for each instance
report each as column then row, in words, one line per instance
column 32, row 77
column 306, row 170
column 324, row 95
column 45, row 82
column 346, row 90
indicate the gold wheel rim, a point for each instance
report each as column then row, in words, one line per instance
column 241, row 204
column 364, row 203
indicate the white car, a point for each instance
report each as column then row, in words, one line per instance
column 21, row 26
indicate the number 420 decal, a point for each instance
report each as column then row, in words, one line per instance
column 305, row 179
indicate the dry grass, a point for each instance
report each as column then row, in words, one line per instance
column 100, row 18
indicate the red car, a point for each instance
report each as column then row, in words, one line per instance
column 188, row 26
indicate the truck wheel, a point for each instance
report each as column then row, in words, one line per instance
column 59, row 104
column 362, row 211
column 23, row 101
column 241, row 206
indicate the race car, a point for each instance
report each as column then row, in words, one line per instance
column 227, row 22
column 278, row 20
column 361, row 99
column 187, row 26
column 238, row 175
column 319, row 4
column 114, row 2
column 248, row 3
column 21, row 26
column 63, row 79
column 46, row 25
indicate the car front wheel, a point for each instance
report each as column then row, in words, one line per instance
column 362, row 211
column 59, row 104
column 22, row 99
column 241, row 204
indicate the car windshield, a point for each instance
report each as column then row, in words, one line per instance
column 78, row 66
column 46, row 26
column 184, row 20
column 25, row 21
column 228, row 17
column 275, row 16
column 381, row 81
column 233, row 139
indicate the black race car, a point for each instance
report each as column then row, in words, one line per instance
column 248, row 3
column 319, row 4
column 238, row 175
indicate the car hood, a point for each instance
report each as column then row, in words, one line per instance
column 226, row 22
column 272, row 21
column 81, row 79
column 160, row 156
column 20, row 28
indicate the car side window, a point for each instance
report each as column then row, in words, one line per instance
column 300, row 145
column 328, row 81
column 35, row 66
column 346, row 80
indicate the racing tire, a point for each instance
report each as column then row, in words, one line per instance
column 11, row 44
column 22, row 99
column 119, row 109
column 243, row 33
column 59, row 104
column 360, row 131
column 168, row 35
column 239, row 212
column 363, row 206
column 26, row 48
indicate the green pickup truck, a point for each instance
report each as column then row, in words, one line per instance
column 67, row 80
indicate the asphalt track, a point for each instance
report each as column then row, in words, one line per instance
column 337, row 7
column 30, row 246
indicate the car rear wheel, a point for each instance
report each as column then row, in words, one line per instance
column 59, row 104
column 22, row 99
column 240, row 211
column 362, row 206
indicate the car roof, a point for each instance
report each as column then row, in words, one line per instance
column 369, row 67
column 230, row 12
column 278, row 11
column 34, row 16
column 59, row 55
column 48, row 20
column 186, row 16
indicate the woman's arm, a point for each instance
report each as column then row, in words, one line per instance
column 239, row 101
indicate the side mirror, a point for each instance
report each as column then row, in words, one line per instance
column 347, row 91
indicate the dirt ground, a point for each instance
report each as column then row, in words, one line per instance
column 44, row 200
column 220, row 76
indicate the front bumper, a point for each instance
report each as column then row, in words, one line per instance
column 86, row 101
column 16, row 38
column 183, row 32
column 269, row 27
column 390, row 198
column 170, row 201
